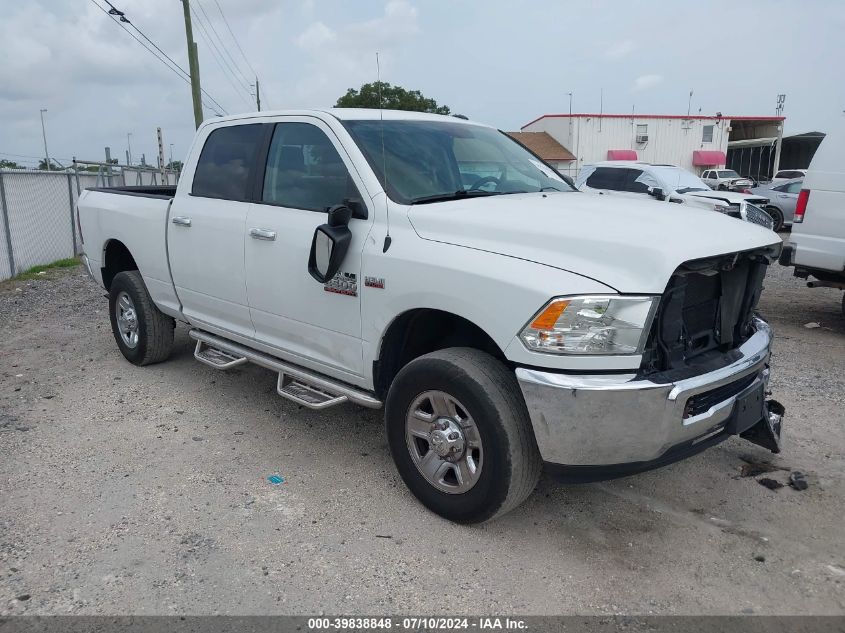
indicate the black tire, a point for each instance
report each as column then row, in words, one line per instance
column 491, row 396
column 721, row 188
column 777, row 218
column 154, row 329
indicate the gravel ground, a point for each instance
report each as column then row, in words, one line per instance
column 145, row 491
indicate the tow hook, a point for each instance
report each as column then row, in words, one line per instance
column 766, row 432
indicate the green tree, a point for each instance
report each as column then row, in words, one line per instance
column 10, row 164
column 392, row 98
column 175, row 165
column 54, row 166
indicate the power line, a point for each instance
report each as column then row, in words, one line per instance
column 123, row 18
column 184, row 76
column 174, row 63
column 223, row 45
column 223, row 15
column 217, row 56
column 34, row 157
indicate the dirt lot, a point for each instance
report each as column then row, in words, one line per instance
column 144, row 490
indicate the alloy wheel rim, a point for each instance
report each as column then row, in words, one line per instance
column 127, row 319
column 444, row 442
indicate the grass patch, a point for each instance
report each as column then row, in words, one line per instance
column 35, row 271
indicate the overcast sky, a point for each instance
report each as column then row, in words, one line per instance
column 497, row 61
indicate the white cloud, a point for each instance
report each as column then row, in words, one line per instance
column 316, row 37
column 644, row 82
column 620, row 49
column 344, row 56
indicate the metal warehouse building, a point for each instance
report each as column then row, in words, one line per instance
column 693, row 142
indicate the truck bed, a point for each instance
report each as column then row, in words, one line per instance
column 136, row 217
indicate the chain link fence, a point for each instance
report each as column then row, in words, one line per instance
column 37, row 212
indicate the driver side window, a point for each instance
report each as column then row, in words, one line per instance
column 304, row 170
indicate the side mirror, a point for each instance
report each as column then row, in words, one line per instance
column 657, row 192
column 330, row 244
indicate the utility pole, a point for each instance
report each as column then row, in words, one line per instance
column 44, row 134
column 129, row 151
column 193, row 64
column 257, row 95
column 161, row 157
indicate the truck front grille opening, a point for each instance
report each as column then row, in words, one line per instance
column 705, row 311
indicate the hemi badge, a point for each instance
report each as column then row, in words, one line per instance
column 374, row 282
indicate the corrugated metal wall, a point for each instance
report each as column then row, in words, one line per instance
column 670, row 141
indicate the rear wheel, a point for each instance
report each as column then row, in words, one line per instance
column 460, row 435
column 777, row 217
column 142, row 332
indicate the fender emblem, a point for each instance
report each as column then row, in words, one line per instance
column 374, row 282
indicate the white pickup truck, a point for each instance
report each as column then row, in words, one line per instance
column 436, row 267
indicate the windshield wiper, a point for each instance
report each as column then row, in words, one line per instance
column 457, row 195
column 690, row 189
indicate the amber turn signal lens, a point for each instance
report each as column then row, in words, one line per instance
column 547, row 318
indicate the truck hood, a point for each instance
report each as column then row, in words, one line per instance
column 731, row 197
column 630, row 245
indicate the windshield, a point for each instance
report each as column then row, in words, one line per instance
column 432, row 161
column 679, row 180
column 728, row 173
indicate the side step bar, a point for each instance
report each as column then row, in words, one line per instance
column 297, row 384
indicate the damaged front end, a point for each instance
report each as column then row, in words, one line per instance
column 707, row 312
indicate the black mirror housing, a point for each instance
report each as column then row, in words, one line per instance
column 330, row 244
column 657, row 192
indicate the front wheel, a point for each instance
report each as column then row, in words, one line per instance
column 460, row 435
column 777, row 218
column 143, row 334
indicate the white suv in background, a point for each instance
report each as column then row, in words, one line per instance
column 726, row 179
column 668, row 183
column 788, row 174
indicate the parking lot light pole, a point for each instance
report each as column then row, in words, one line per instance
column 44, row 135
column 129, row 145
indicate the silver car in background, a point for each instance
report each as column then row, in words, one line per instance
column 782, row 197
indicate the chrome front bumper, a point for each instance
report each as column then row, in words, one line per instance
column 595, row 420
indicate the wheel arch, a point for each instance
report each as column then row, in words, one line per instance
column 117, row 258
column 418, row 331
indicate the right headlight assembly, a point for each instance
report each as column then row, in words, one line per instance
column 591, row 325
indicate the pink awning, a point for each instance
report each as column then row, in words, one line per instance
column 621, row 154
column 708, row 158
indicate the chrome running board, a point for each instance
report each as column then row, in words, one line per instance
column 297, row 384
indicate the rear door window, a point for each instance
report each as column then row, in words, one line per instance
column 609, row 178
column 638, row 181
column 226, row 162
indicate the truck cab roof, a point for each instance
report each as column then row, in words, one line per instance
column 346, row 114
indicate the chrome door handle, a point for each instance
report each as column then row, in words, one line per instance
column 181, row 221
column 262, row 234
